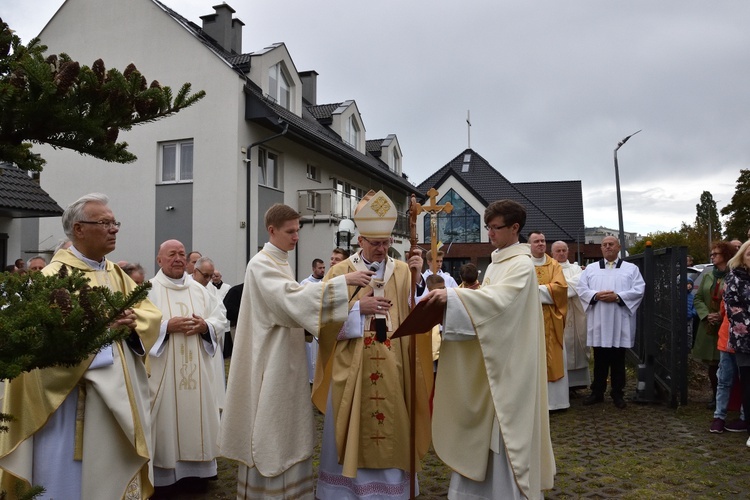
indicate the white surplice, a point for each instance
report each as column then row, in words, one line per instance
column 609, row 324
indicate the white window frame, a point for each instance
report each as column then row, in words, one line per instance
column 279, row 88
column 314, row 201
column 395, row 163
column 352, row 132
column 184, row 162
column 263, row 168
column 313, row 172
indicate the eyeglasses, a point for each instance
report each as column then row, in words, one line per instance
column 715, row 254
column 379, row 244
column 205, row 275
column 106, row 224
column 495, row 228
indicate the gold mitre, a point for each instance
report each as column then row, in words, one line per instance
column 375, row 215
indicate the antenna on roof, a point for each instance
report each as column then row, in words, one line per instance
column 468, row 122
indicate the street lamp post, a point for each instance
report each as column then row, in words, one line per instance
column 623, row 246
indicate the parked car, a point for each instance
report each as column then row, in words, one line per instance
column 703, row 269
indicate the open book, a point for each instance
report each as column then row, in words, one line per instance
column 420, row 320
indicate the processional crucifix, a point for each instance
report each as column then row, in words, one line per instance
column 414, row 210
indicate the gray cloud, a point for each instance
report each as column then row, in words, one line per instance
column 552, row 87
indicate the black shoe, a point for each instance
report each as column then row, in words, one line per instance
column 620, row 403
column 592, row 399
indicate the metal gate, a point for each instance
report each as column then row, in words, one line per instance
column 661, row 340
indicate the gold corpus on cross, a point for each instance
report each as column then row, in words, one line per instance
column 414, row 210
column 433, row 209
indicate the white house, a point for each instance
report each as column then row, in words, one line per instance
column 207, row 175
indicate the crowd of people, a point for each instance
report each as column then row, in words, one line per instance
column 509, row 349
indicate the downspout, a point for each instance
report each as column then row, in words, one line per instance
column 248, row 162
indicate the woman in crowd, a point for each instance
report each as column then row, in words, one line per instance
column 707, row 301
column 737, row 298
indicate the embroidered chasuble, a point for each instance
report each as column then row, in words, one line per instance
column 550, row 275
column 369, row 380
column 267, row 424
column 184, row 408
column 83, row 412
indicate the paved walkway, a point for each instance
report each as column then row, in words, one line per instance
column 646, row 451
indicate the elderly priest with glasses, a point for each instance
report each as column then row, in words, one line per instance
column 85, row 431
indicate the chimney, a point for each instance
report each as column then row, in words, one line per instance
column 309, row 86
column 221, row 27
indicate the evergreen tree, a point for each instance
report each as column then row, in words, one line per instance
column 56, row 101
column 707, row 219
column 738, row 209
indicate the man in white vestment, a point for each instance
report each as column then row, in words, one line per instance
column 184, row 411
column 577, row 352
column 450, row 282
column 362, row 378
column 268, row 425
column 610, row 291
column 490, row 421
column 221, row 287
column 553, row 292
column 203, row 273
column 85, row 431
column 311, row 343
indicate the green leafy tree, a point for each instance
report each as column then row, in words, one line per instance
column 54, row 100
column 738, row 209
column 659, row 239
column 697, row 243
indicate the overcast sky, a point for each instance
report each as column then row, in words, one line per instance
column 552, row 87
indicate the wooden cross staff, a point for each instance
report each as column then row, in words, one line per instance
column 414, row 210
column 434, row 209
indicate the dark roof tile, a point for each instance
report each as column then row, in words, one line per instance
column 21, row 196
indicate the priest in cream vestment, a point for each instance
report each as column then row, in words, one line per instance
column 362, row 377
column 490, row 420
column 576, row 350
column 183, row 404
column 85, row 431
column 267, row 424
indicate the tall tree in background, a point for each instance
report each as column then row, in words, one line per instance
column 54, row 100
column 738, row 209
column 707, row 219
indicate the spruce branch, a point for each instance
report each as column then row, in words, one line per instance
column 57, row 320
column 52, row 99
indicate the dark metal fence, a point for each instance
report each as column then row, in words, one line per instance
column 661, row 342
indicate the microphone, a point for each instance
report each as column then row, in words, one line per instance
column 374, row 266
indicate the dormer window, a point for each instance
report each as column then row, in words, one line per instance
column 395, row 161
column 351, row 134
column 278, row 86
